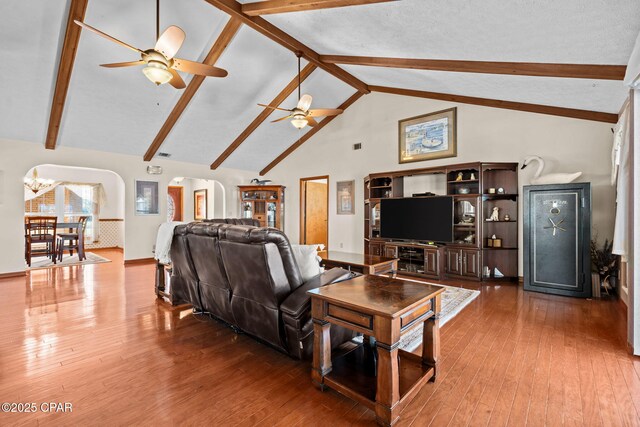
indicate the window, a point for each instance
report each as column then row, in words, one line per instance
column 69, row 202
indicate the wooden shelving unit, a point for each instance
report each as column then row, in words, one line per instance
column 264, row 203
column 468, row 255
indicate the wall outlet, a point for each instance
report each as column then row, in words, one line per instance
column 341, row 245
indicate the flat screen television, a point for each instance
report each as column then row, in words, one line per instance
column 426, row 219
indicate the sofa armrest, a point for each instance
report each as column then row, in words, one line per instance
column 296, row 303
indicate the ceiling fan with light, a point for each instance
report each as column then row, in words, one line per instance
column 301, row 115
column 161, row 64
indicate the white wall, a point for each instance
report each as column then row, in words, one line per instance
column 484, row 134
column 18, row 157
column 112, row 184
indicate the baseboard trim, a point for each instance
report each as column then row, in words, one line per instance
column 111, row 248
column 13, row 274
column 139, row 261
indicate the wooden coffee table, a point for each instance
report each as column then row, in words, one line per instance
column 360, row 263
column 385, row 378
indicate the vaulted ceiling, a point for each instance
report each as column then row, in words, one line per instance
column 119, row 110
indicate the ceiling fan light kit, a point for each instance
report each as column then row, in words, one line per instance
column 157, row 72
column 302, row 116
column 299, row 121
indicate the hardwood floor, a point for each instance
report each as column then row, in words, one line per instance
column 96, row 336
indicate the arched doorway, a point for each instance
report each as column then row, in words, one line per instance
column 69, row 193
column 191, row 199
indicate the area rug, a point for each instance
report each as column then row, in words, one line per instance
column 67, row 260
column 453, row 301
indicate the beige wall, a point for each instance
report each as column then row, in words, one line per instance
column 17, row 158
column 484, row 134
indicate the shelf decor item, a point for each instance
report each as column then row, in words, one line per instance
column 427, row 137
column 495, row 214
column 345, row 191
column 200, row 204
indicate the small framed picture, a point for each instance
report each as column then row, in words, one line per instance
column 147, row 194
column 346, row 197
column 200, row 204
column 427, row 137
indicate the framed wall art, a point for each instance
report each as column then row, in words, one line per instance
column 147, row 194
column 200, row 203
column 427, row 137
column 346, row 197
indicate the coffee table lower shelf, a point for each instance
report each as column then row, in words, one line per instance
column 353, row 375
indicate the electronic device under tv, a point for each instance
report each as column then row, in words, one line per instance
column 421, row 219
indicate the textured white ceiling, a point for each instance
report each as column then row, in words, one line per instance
column 29, row 50
column 258, row 70
column 120, row 110
column 595, row 95
column 579, row 31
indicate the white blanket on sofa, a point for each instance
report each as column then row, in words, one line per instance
column 163, row 241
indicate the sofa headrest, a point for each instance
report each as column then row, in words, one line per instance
column 247, row 234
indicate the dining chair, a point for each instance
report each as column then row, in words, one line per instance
column 73, row 241
column 40, row 237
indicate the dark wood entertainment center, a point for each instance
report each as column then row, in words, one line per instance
column 477, row 188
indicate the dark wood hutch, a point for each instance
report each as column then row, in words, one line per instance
column 264, row 203
column 477, row 188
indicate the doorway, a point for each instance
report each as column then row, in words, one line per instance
column 314, row 210
column 175, row 211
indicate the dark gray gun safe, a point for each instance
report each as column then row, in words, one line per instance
column 557, row 235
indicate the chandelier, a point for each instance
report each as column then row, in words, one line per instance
column 36, row 184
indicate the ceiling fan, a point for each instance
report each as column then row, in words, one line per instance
column 161, row 64
column 301, row 115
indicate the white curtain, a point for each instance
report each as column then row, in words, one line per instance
column 94, row 194
column 621, row 175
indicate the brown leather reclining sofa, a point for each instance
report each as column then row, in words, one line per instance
column 247, row 277
column 236, row 221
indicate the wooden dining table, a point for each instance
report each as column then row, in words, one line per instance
column 70, row 227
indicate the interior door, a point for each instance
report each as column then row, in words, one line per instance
column 315, row 211
column 175, row 201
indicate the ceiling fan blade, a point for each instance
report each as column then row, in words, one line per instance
column 325, row 112
column 198, row 68
column 106, row 36
column 281, row 119
column 305, row 102
column 176, row 81
column 170, row 41
column 122, row 64
column 311, row 121
column 273, row 108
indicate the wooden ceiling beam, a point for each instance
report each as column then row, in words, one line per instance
column 576, row 71
column 509, row 105
column 264, row 114
column 282, row 6
column 220, row 45
column 77, row 10
column 346, row 104
column 264, row 27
